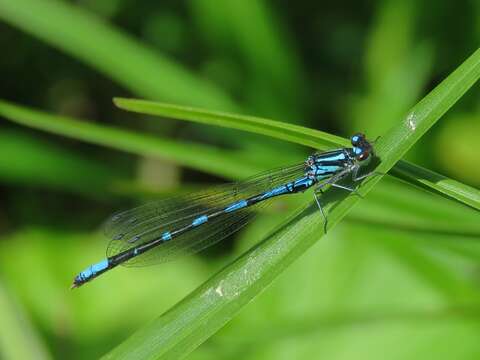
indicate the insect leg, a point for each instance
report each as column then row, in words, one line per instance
column 321, row 210
column 353, row 191
column 361, row 177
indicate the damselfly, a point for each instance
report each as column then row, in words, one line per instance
column 163, row 230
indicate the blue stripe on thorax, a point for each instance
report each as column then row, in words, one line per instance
column 333, row 156
column 326, row 171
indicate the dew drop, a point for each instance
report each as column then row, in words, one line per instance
column 411, row 121
column 219, row 290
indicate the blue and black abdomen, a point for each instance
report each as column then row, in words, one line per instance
column 174, row 238
column 162, row 231
column 185, row 224
column 170, row 227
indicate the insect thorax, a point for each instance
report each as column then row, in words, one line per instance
column 327, row 164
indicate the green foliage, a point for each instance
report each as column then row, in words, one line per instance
column 142, row 144
column 206, row 310
column 141, row 69
column 17, row 339
column 399, row 266
column 303, row 136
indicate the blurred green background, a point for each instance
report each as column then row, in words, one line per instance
column 392, row 281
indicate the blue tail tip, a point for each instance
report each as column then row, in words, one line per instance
column 90, row 273
column 77, row 282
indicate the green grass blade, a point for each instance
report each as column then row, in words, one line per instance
column 431, row 180
column 91, row 40
column 41, row 171
column 409, row 172
column 280, row 130
column 201, row 314
column 18, row 337
column 400, row 138
column 209, row 159
column 210, row 306
column 206, row 158
column 395, row 205
column 32, row 161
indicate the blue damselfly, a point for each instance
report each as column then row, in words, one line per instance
column 163, row 230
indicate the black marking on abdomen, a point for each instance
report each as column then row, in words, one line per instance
column 129, row 254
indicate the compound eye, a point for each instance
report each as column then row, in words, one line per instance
column 363, row 156
column 357, row 138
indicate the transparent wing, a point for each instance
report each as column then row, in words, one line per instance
column 148, row 222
